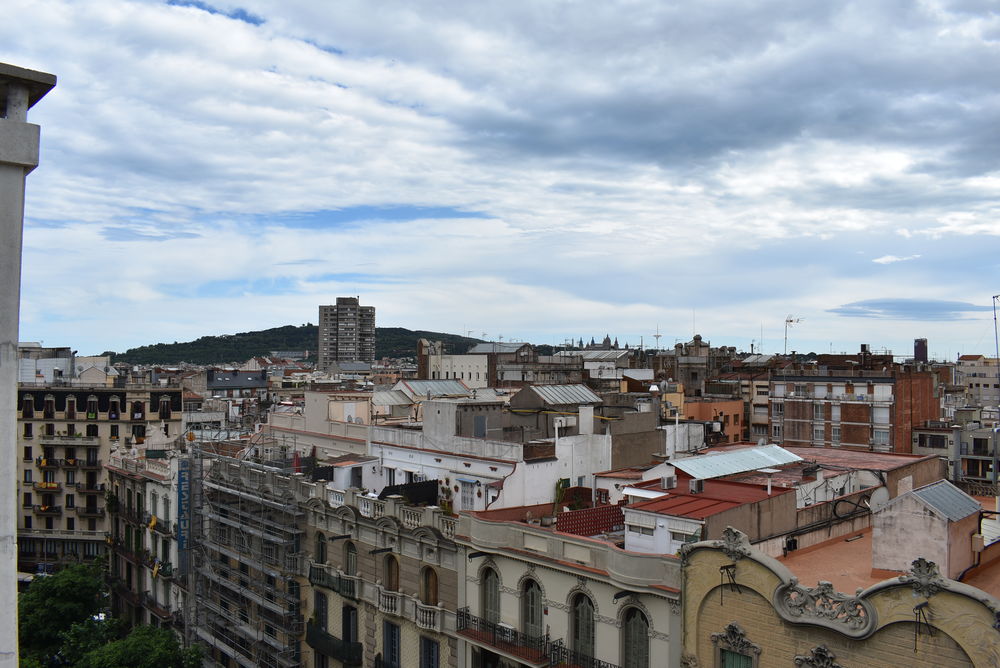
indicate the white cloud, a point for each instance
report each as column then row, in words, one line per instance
column 890, row 259
column 726, row 158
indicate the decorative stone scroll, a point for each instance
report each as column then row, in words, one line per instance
column 824, row 606
column 734, row 638
column 820, row 657
column 925, row 577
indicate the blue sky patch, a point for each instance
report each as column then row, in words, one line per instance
column 239, row 13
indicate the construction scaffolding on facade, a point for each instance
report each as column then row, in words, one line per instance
column 246, row 555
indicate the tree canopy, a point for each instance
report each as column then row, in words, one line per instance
column 54, row 603
column 144, row 647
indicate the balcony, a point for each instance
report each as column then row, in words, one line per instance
column 70, row 441
column 89, row 511
column 48, row 486
column 121, row 589
column 47, row 462
column 389, row 602
column 95, row 488
column 428, row 617
column 70, row 462
column 348, row 653
column 48, row 511
column 91, row 464
column 564, row 657
column 503, row 638
column 156, row 608
column 160, row 526
column 324, row 576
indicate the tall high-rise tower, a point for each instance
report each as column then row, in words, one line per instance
column 346, row 333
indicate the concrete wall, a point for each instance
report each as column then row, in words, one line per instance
column 758, row 520
column 908, row 523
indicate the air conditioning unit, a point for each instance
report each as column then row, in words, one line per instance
column 696, row 486
column 668, row 481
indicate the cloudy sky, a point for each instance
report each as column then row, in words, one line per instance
column 531, row 170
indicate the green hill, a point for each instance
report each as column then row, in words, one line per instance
column 389, row 342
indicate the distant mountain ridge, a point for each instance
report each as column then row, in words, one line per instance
column 230, row 348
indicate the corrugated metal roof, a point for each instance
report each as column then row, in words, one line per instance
column 390, row 398
column 738, row 461
column 497, row 347
column 947, row 499
column 436, row 388
column 565, row 394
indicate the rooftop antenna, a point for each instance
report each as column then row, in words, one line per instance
column 657, row 336
column 789, row 321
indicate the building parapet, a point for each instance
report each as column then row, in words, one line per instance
column 474, row 447
column 632, row 569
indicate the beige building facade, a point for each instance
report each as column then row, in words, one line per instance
column 742, row 608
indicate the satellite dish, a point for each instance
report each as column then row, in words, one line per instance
column 880, row 497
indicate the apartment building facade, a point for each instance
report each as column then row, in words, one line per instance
column 65, row 434
column 143, row 567
column 978, row 375
column 346, row 333
column 852, row 408
column 382, row 574
column 533, row 596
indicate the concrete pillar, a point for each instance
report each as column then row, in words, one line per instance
column 20, row 89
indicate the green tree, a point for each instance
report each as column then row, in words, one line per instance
column 54, row 603
column 145, row 647
column 88, row 635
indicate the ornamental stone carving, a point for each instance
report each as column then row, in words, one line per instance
column 689, row 661
column 735, row 543
column 734, row 638
column 824, row 606
column 924, row 577
column 820, row 657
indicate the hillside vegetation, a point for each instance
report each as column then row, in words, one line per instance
column 229, row 348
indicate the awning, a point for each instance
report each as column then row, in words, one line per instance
column 643, row 493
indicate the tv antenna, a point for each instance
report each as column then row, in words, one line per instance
column 789, row 320
column 657, row 336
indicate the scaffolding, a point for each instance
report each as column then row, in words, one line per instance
column 246, row 557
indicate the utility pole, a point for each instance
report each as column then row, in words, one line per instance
column 20, row 89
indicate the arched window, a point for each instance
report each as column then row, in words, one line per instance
column 350, row 559
column 71, row 407
column 490, row 596
column 92, row 407
column 429, row 586
column 114, row 409
column 582, row 625
column 390, row 572
column 49, row 407
column 320, row 548
column 164, row 408
column 138, row 410
column 28, row 406
column 635, row 639
column 531, row 610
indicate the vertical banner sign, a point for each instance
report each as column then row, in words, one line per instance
column 183, row 512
